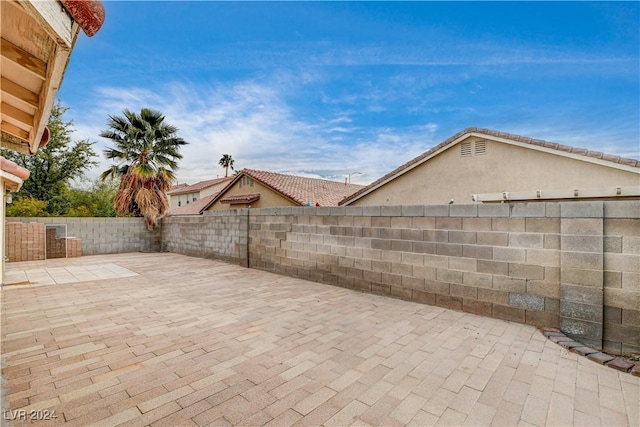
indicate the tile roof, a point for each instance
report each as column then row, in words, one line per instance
column 243, row 198
column 184, row 188
column 497, row 134
column 193, row 208
column 89, row 14
column 173, row 188
column 13, row 168
column 302, row 189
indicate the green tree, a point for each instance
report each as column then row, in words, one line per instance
column 226, row 162
column 94, row 202
column 27, row 207
column 146, row 151
column 53, row 167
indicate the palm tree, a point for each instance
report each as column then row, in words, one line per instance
column 226, row 162
column 146, row 151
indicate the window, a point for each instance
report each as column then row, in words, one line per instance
column 179, row 203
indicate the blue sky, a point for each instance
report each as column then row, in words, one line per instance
column 328, row 88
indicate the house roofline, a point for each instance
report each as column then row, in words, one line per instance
column 236, row 178
column 582, row 154
column 186, row 189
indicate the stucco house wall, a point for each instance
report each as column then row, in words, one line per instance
column 501, row 167
column 188, row 193
column 268, row 197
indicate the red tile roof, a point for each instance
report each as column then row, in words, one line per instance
column 243, row 198
column 177, row 187
column 488, row 132
column 184, row 188
column 89, row 14
column 13, row 168
column 302, row 189
column 193, row 208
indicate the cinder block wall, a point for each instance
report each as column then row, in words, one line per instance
column 70, row 247
column 105, row 235
column 495, row 260
column 24, row 242
column 621, row 247
column 216, row 235
column 573, row 265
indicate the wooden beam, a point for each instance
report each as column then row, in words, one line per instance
column 17, row 114
column 57, row 66
column 24, row 59
column 15, row 90
column 14, row 143
column 53, row 17
column 15, row 131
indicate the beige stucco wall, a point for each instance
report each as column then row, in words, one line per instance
column 173, row 199
column 268, row 198
column 504, row 167
column 213, row 189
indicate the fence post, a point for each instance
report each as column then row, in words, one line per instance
column 582, row 271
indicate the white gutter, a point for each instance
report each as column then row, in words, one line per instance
column 584, row 193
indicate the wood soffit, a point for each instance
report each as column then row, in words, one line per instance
column 36, row 40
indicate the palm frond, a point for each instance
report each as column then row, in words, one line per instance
column 113, row 172
column 148, row 150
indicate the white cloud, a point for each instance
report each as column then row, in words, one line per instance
column 254, row 124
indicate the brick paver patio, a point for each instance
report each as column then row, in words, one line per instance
column 165, row 339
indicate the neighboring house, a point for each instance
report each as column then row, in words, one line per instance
column 481, row 165
column 260, row 189
column 193, row 208
column 36, row 40
column 182, row 194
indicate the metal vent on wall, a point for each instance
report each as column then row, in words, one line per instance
column 465, row 149
column 481, row 148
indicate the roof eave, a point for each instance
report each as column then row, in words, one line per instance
column 515, row 140
column 59, row 22
column 401, row 171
